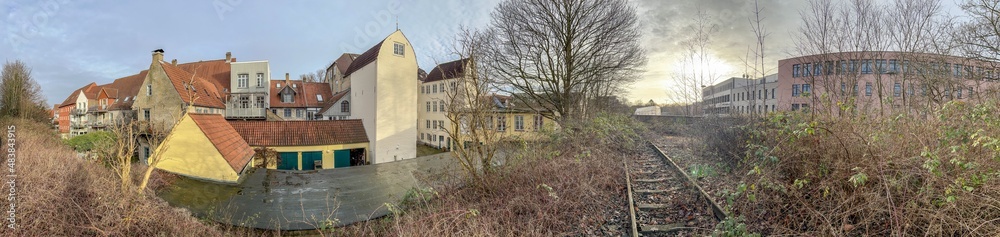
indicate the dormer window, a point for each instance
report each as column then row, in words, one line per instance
column 287, row 98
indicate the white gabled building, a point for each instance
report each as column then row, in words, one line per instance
column 382, row 95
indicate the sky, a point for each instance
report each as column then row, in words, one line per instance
column 69, row 44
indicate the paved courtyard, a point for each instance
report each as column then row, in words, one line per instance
column 299, row 200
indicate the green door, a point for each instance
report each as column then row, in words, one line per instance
column 289, row 161
column 341, row 158
column 309, row 159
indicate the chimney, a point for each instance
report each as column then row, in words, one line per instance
column 174, row 62
column 157, row 55
column 229, row 56
column 286, row 78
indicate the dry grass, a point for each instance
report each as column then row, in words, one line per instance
column 898, row 176
column 59, row 194
column 570, row 186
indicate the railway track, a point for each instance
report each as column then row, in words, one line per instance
column 664, row 201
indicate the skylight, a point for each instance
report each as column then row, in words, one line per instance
column 319, row 98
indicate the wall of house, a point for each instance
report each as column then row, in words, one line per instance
column 187, row 151
column 396, row 109
column 336, row 110
column 164, row 104
column 432, row 115
column 363, row 104
column 326, row 149
column 251, row 69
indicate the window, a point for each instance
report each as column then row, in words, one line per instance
column 909, row 90
column 145, row 114
column 489, row 122
column 149, row 89
column 435, row 124
column 958, row 92
column 796, row 70
column 958, row 70
column 435, row 106
column 260, row 102
column 260, row 79
column 897, row 90
column 298, row 113
column 882, row 66
column 422, row 92
column 772, row 93
column 538, row 122
column 399, row 49
column 519, row 122
column 319, row 98
column 428, row 124
column 970, row 92
column 501, row 123
column 421, row 136
column 287, row 98
column 806, row 89
column 795, row 107
column 795, row 90
column 428, row 106
column 274, row 111
column 843, row 88
column 242, row 80
column 435, row 88
column 244, row 102
column 855, row 92
column 345, row 107
column 868, row 89
column 893, row 66
column 818, row 69
column 288, row 112
column 806, row 70
column 866, row 67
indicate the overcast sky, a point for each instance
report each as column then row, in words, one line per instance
column 71, row 43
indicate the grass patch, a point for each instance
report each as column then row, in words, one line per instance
column 425, row 150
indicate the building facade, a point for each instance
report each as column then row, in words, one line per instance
column 877, row 83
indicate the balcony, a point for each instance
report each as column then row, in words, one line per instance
column 234, row 112
column 78, row 112
column 98, row 124
column 77, row 125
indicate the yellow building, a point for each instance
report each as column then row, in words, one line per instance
column 204, row 146
column 308, row 145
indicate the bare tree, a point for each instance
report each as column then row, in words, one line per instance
column 471, row 109
column 308, row 77
column 696, row 66
column 562, row 54
column 20, row 95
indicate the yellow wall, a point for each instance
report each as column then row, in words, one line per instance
column 187, row 151
column 326, row 149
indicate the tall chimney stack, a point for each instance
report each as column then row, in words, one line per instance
column 229, row 56
column 157, row 55
column 174, row 62
column 287, row 78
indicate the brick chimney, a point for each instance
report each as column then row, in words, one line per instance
column 229, row 56
column 287, row 78
column 173, row 62
column 157, row 55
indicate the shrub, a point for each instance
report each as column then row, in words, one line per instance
column 894, row 175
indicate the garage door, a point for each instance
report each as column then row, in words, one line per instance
column 309, row 159
column 289, row 161
column 341, row 158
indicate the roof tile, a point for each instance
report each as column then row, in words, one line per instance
column 301, row 133
column 226, row 140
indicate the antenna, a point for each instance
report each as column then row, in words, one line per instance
column 397, row 22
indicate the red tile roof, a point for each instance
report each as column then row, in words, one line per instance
column 447, row 70
column 215, row 70
column 127, row 88
column 225, row 139
column 71, row 99
column 206, row 93
column 301, row 133
column 305, row 94
column 364, row 59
